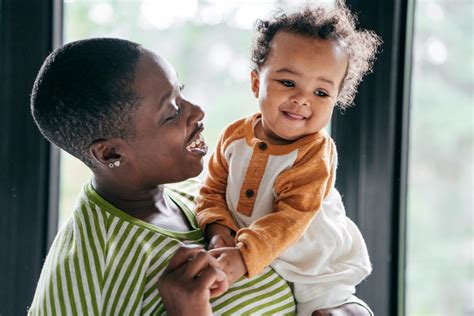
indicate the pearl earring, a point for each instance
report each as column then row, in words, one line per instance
column 114, row 164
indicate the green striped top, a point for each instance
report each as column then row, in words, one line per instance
column 105, row 262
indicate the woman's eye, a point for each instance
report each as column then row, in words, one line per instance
column 287, row 83
column 175, row 114
column 321, row 93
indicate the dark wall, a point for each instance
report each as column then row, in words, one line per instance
column 25, row 39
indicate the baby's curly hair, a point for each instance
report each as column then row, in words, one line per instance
column 327, row 23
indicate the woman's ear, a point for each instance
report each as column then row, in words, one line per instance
column 255, row 82
column 106, row 151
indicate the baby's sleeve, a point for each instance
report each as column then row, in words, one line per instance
column 211, row 202
column 300, row 192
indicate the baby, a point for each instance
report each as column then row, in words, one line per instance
column 269, row 195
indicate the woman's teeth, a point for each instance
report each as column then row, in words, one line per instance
column 197, row 145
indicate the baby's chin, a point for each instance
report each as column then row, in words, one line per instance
column 290, row 136
column 283, row 138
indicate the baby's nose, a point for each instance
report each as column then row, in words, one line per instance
column 300, row 101
column 300, row 98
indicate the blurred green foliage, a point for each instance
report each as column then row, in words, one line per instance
column 440, row 221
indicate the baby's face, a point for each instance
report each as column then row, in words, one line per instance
column 298, row 85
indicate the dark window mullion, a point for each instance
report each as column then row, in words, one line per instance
column 371, row 140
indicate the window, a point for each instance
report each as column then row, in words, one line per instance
column 26, row 181
column 439, row 275
column 208, row 42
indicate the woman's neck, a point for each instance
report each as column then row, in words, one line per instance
column 149, row 205
column 128, row 199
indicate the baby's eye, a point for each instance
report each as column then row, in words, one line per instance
column 320, row 93
column 287, row 83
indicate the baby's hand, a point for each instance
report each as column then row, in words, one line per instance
column 220, row 241
column 231, row 262
column 219, row 236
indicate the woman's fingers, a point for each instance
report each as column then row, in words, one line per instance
column 213, row 279
column 194, row 268
column 183, row 255
column 221, row 285
column 176, row 287
column 199, row 262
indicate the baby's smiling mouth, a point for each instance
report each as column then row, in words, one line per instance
column 293, row 116
column 197, row 145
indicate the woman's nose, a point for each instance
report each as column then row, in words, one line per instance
column 196, row 113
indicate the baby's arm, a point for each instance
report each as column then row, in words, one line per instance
column 299, row 192
column 214, row 218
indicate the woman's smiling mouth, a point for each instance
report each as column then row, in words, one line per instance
column 198, row 146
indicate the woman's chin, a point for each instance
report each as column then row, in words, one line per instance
column 193, row 171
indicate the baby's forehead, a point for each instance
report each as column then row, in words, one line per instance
column 294, row 42
column 287, row 47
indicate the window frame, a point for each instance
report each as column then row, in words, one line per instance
column 372, row 141
column 372, row 178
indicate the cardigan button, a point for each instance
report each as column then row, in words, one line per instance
column 249, row 193
column 262, row 146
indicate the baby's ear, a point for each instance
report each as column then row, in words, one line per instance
column 106, row 151
column 255, row 82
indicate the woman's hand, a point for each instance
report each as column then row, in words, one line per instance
column 191, row 278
